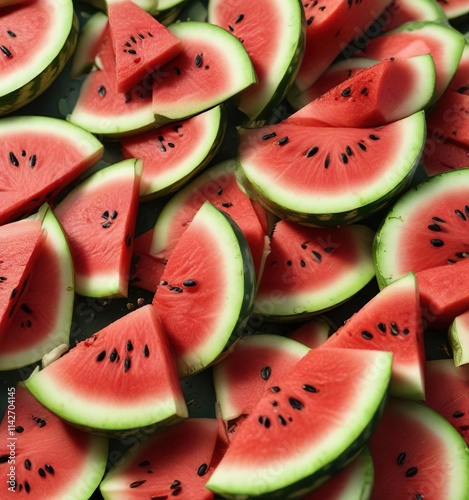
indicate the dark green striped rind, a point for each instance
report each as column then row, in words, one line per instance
column 38, row 84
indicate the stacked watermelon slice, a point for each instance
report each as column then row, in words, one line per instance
column 223, row 258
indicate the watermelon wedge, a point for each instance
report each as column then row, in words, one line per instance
column 20, row 243
column 459, row 337
column 210, row 264
column 404, row 11
column 141, row 44
column 43, row 318
column 307, row 427
column 40, row 157
column 99, row 217
column 391, row 321
column 130, row 357
column 441, row 154
column 43, row 457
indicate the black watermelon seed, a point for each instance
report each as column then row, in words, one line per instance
column 274, row 403
column 41, row 472
column 114, row 214
column 19, row 429
column 437, row 219
column 4, row 459
column 327, row 161
column 189, row 283
column 394, row 328
column 461, row 255
column 361, row 146
column 14, row 159
column 295, row 404
column 11, row 33
column 282, row 141
column 411, row 472
column 282, row 420
column 458, row 414
column 102, row 90
column 133, row 39
column 127, row 364
column 101, row 356
column 460, row 214
column 41, row 423
column 219, row 191
column 3, row 278
column 175, row 484
column 239, row 18
column 127, row 97
column 302, row 263
column 136, row 484
column 463, row 90
column 129, row 346
column 106, row 224
column 275, row 388
column 171, row 145
column 141, row 36
column 364, row 91
column 176, row 492
column 309, row 388
column 367, row 335
column 401, row 457
column 49, row 468
column 105, row 215
column 202, row 470
column 349, row 151
column 437, row 242
column 419, row 496
column 406, row 331
column 227, row 205
column 322, row 8
column 266, row 371
column 198, row 60
column 32, row 161
column 163, row 283
column 25, row 308
column 266, row 137
column 329, row 249
column 5, row 51
column 434, row 227
column 146, row 351
column 230, row 28
column 113, row 355
column 145, row 463
column 466, row 209
column 344, row 158
column 27, row 487
column 175, row 289
column 304, row 245
column 128, row 240
column 127, row 44
column 381, row 327
column 346, row 92
column 289, row 263
column 27, row 464
column 177, row 70
column 267, row 422
column 373, row 137
column 317, row 255
column 311, row 152
column 310, row 20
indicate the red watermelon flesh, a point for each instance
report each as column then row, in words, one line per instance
column 174, row 461
column 50, row 459
column 313, row 333
column 391, row 321
column 99, row 217
column 417, row 455
column 20, row 245
column 141, row 44
column 146, row 271
column 256, row 363
column 441, row 154
column 327, row 34
column 447, row 392
column 380, row 94
column 29, row 171
column 142, row 242
column 127, row 366
column 460, row 81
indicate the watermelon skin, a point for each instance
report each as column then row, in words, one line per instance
column 458, row 334
column 396, row 310
column 42, row 438
column 30, row 180
column 433, row 458
column 276, row 460
column 187, row 446
column 150, row 44
column 136, row 388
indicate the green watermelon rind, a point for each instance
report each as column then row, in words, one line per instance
column 62, row 305
column 36, row 84
column 259, row 108
column 458, row 337
column 359, row 206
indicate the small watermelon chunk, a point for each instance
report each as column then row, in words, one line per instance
column 20, row 245
column 171, row 462
column 314, row 332
column 43, row 457
column 128, row 378
column 447, row 391
column 391, row 321
column 211, row 264
column 308, row 427
column 418, row 454
column 383, row 93
column 141, row 44
column 310, row 270
column 98, row 217
column 459, row 337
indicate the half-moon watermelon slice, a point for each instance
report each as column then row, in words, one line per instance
column 40, row 157
column 128, row 378
column 404, row 11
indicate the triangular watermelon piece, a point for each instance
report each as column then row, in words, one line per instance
column 141, row 43
column 20, row 244
column 128, row 378
column 391, row 321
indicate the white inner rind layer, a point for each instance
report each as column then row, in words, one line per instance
column 60, row 19
column 403, row 160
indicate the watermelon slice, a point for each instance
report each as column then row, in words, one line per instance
column 426, row 227
column 391, row 321
column 44, row 316
column 307, row 427
column 98, row 217
column 460, row 80
column 459, row 337
column 33, row 53
column 418, row 454
column 256, row 363
column 442, row 154
column 141, row 44
column 381, row 94
column 201, row 76
column 128, row 380
column 447, row 389
column 30, row 172
column 404, row 11
column 20, row 243
column 174, row 153
column 276, row 59
column 455, row 9
column 43, row 457
column 314, row 332
column 328, row 175
column 181, row 470
column 303, row 258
